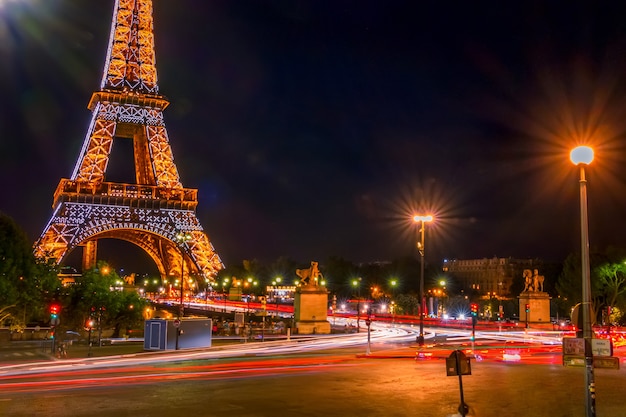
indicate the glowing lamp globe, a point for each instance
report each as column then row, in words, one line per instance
column 581, row 155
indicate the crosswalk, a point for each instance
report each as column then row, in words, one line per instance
column 21, row 355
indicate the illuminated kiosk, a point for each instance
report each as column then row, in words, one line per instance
column 160, row 334
column 311, row 303
column 534, row 303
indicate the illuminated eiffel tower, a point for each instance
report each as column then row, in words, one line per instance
column 152, row 213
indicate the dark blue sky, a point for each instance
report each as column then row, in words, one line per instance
column 315, row 128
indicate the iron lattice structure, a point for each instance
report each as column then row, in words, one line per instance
column 154, row 210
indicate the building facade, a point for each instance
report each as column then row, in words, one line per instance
column 488, row 277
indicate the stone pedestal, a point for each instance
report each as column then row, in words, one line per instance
column 539, row 303
column 310, row 310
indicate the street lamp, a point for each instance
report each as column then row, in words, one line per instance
column 276, row 283
column 356, row 284
column 442, row 283
column 581, row 156
column 420, row 248
column 393, row 284
column 181, row 239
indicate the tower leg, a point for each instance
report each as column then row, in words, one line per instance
column 90, row 253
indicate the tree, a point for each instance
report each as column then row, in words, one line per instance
column 97, row 294
column 339, row 273
column 407, row 304
column 569, row 284
column 27, row 284
column 612, row 277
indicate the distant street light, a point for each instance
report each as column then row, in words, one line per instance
column 393, row 283
column 357, row 284
column 276, row 283
column 581, row 156
column 181, row 239
column 420, row 247
column 443, row 293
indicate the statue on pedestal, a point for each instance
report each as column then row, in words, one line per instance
column 534, row 303
column 310, row 276
column 310, row 304
column 533, row 281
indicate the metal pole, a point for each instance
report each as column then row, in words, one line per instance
column 462, row 407
column 89, row 343
column 420, row 339
column 100, row 327
column 358, row 312
column 181, row 307
column 590, row 386
column 369, row 350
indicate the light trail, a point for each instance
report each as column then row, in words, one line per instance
column 381, row 333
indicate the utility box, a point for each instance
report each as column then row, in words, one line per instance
column 160, row 334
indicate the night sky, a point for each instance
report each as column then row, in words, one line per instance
column 317, row 128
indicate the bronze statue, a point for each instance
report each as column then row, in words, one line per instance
column 533, row 282
column 309, row 276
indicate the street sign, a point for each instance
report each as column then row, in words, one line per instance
column 607, row 362
column 459, row 364
column 462, row 367
column 574, row 346
column 177, row 323
column 55, row 321
column 601, row 347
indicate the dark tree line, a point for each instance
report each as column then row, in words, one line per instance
column 29, row 286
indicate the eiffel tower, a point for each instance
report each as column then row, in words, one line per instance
column 156, row 211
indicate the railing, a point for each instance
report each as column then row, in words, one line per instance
column 69, row 190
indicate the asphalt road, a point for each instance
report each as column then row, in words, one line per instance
column 334, row 383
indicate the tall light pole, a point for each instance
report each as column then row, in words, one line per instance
column 442, row 283
column 393, row 283
column 581, row 156
column 181, row 239
column 357, row 284
column 420, row 247
column 276, row 283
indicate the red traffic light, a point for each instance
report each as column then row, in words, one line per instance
column 474, row 309
column 54, row 309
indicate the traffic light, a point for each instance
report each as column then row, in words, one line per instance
column 54, row 311
column 528, row 308
column 474, row 309
column 263, row 302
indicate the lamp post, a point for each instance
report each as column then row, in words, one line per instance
column 581, row 156
column 442, row 297
column 181, row 239
column 356, row 283
column 420, row 247
column 276, row 283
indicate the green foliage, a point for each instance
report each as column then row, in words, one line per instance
column 98, row 295
column 608, row 280
column 407, row 304
column 612, row 278
column 26, row 283
column 612, row 292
